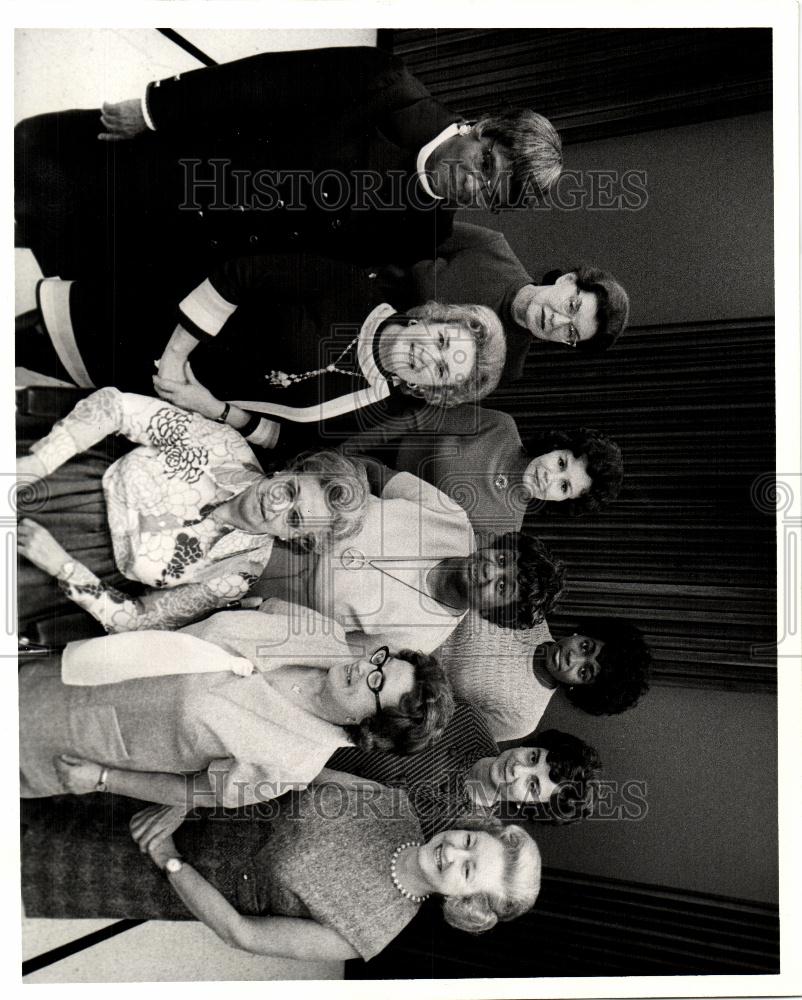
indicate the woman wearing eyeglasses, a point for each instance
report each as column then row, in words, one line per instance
column 582, row 307
column 235, row 709
column 330, row 873
column 190, row 514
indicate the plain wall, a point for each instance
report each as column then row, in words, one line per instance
column 700, row 249
column 709, row 763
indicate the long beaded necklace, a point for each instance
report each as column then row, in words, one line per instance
column 286, row 379
column 394, row 877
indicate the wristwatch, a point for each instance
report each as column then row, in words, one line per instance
column 66, row 571
column 173, row 865
column 101, row 781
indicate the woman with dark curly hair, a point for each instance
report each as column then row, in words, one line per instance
column 190, row 512
column 602, row 668
column 329, row 873
column 477, row 457
column 561, row 772
column 549, row 776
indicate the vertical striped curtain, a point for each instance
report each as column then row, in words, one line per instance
column 596, row 83
column 688, row 550
column 590, row 926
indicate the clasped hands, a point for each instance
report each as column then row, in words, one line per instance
column 176, row 383
column 152, row 828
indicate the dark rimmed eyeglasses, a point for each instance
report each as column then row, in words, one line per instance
column 375, row 679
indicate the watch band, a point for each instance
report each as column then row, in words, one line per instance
column 224, row 415
column 101, row 781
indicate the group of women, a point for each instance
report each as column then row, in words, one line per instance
column 305, row 595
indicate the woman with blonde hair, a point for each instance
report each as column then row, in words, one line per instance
column 276, row 342
column 331, row 873
column 190, row 512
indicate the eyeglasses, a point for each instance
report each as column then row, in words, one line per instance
column 375, row 679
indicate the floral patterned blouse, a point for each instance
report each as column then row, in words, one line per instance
column 160, row 499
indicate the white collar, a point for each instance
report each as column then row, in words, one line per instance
column 364, row 345
column 429, row 148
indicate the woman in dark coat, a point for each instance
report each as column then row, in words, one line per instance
column 294, row 339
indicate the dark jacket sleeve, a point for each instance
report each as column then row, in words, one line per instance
column 474, row 264
column 284, row 91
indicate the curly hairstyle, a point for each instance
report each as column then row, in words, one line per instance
column 612, row 305
column 625, row 662
column 534, row 147
column 541, row 578
column 521, row 880
column 604, row 464
column 575, row 768
column 344, row 482
column 421, row 716
column 491, row 351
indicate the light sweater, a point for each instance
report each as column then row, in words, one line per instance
column 491, row 667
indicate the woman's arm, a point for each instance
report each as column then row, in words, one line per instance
column 143, row 420
column 186, row 791
column 282, row 937
column 190, row 394
column 116, row 611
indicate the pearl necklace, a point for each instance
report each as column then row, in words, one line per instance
column 394, row 877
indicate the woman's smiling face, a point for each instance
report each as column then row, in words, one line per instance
column 574, row 659
column 463, row 862
column 429, row 353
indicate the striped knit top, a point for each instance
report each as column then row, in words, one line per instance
column 491, row 667
column 435, row 779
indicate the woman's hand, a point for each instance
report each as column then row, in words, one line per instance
column 189, row 395
column 77, row 775
column 122, row 120
column 153, row 829
column 171, row 367
column 30, row 469
column 40, row 547
column 152, row 826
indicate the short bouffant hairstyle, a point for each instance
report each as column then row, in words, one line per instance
column 612, row 307
column 521, row 880
column 625, row 662
column 344, row 482
column 421, row 716
column 534, row 147
column 541, row 578
column 575, row 768
column 604, row 463
column 491, row 351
